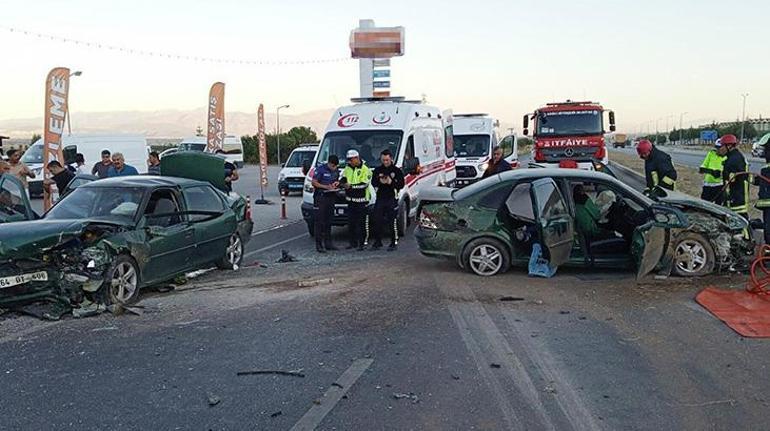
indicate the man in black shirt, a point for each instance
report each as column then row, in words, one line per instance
column 60, row 175
column 387, row 179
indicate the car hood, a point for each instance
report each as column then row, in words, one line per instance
column 29, row 239
column 683, row 200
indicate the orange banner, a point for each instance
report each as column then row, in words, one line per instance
column 56, row 96
column 262, row 144
column 215, row 138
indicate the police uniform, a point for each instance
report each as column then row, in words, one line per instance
column 323, row 204
column 357, row 195
column 386, row 205
column 712, row 179
column 764, row 199
column 737, row 186
column 659, row 171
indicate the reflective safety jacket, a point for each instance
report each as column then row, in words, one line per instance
column 764, row 188
column 360, row 180
column 737, row 186
column 659, row 171
column 712, row 168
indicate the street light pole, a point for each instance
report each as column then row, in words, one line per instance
column 743, row 115
column 69, row 127
column 681, row 116
column 278, row 130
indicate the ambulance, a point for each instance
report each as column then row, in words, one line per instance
column 416, row 135
column 475, row 135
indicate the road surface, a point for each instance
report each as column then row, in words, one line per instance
column 692, row 159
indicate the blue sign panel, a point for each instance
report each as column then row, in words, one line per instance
column 708, row 135
column 381, row 73
column 381, row 84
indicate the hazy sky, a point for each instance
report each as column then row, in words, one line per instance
column 645, row 59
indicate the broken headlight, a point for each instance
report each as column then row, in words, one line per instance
column 736, row 222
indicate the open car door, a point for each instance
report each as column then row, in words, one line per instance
column 651, row 240
column 555, row 225
column 14, row 203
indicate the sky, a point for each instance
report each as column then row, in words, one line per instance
column 649, row 61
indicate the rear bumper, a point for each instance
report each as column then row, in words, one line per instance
column 292, row 186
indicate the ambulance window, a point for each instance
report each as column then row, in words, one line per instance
column 409, row 152
column 450, row 141
column 507, row 145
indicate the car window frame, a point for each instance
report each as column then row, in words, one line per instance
column 216, row 193
column 175, row 192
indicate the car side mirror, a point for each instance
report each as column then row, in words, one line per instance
column 305, row 167
column 411, row 166
column 283, row 165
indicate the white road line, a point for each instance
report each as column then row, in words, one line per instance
column 275, row 227
column 310, row 420
column 278, row 244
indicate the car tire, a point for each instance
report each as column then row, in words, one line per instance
column 233, row 256
column 693, row 255
column 402, row 218
column 486, row 257
column 121, row 282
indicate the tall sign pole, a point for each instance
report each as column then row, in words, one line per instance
column 373, row 47
column 262, row 155
column 215, row 126
column 56, row 98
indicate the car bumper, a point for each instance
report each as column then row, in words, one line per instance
column 290, row 186
column 434, row 243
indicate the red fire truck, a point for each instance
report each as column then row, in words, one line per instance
column 569, row 134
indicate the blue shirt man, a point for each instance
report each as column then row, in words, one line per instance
column 119, row 167
column 326, row 175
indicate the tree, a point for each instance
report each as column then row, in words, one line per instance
column 300, row 135
column 34, row 139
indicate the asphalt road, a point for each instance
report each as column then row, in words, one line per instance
column 388, row 341
column 692, row 158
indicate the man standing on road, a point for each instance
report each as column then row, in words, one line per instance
column 711, row 168
column 60, row 176
column 387, row 179
column 325, row 183
column 153, row 163
column 101, row 167
column 498, row 164
column 231, row 172
column 356, row 179
column 119, row 167
column 19, row 168
column 658, row 169
column 735, row 177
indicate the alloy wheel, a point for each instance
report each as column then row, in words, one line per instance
column 486, row 260
column 234, row 251
column 124, row 282
column 690, row 256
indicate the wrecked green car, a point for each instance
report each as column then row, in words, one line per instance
column 14, row 203
column 107, row 239
column 579, row 218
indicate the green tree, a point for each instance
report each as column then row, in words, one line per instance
column 34, row 139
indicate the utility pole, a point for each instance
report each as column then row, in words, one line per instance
column 743, row 116
column 681, row 116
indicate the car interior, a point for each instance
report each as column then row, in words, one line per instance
column 163, row 209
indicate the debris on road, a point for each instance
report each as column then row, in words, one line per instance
column 313, row 283
column 276, row 414
column 494, row 365
column 292, row 373
column 88, row 309
column 411, row 396
column 511, row 298
column 213, row 399
column 286, row 257
column 338, row 385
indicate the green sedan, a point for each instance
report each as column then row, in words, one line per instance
column 579, row 218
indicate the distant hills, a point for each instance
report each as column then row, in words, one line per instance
column 167, row 123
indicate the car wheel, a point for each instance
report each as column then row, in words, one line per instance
column 233, row 253
column 403, row 218
column 121, row 281
column 486, row 257
column 693, row 256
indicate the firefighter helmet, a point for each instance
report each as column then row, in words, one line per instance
column 644, row 148
column 729, row 140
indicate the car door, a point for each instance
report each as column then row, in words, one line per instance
column 212, row 232
column 170, row 236
column 555, row 225
column 650, row 243
column 14, row 204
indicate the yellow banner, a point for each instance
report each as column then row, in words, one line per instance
column 262, row 144
column 215, row 137
column 56, row 96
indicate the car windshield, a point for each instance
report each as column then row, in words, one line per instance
column 569, row 123
column 112, row 204
column 471, row 145
column 368, row 143
column 33, row 155
column 190, row 146
column 298, row 157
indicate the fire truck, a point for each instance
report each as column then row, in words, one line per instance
column 569, row 134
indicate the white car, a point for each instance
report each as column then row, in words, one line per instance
column 232, row 146
column 292, row 175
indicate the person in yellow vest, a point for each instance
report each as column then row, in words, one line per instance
column 357, row 181
column 711, row 168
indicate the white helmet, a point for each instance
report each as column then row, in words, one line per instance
column 352, row 154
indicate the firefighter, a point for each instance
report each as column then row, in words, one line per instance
column 711, row 168
column 764, row 194
column 658, row 169
column 735, row 177
column 357, row 179
column 325, row 183
column 387, row 179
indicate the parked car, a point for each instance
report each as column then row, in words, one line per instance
column 492, row 224
column 232, row 146
column 14, row 203
column 758, row 147
column 107, row 239
column 293, row 172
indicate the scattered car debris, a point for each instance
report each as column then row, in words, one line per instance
column 88, row 309
column 276, row 414
column 455, row 377
column 286, row 257
column 511, row 298
column 494, row 365
column 313, row 283
column 550, row 389
column 213, row 399
column 292, row 373
column 338, row 385
column 411, row 396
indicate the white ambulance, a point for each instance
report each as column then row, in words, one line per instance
column 475, row 135
column 413, row 132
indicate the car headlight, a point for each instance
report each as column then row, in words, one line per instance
column 308, row 187
column 281, row 177
column 737, row 222
column 37, row 171
column 483, row 167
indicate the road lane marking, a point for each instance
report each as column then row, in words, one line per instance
column 310, row 420
column 280, row 226
column 278, row 244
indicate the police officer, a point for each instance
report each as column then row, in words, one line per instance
column 387, row 179
column 711, row 168
column 658, row 169
column 325, row 182
column 356, row 179
column 736, row 184
column 764, row 193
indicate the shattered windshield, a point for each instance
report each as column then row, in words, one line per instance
column 113, row 204
column 569, row 123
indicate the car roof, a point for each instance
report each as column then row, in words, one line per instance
column 553, row 172
column 147, row 181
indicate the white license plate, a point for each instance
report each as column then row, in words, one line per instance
column 22, row 279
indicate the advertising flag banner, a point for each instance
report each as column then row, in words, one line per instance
column 215, row 137
column 56, row 97
column 262, row 145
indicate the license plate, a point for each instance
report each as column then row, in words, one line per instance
column 339, row 211
column 22, row 279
